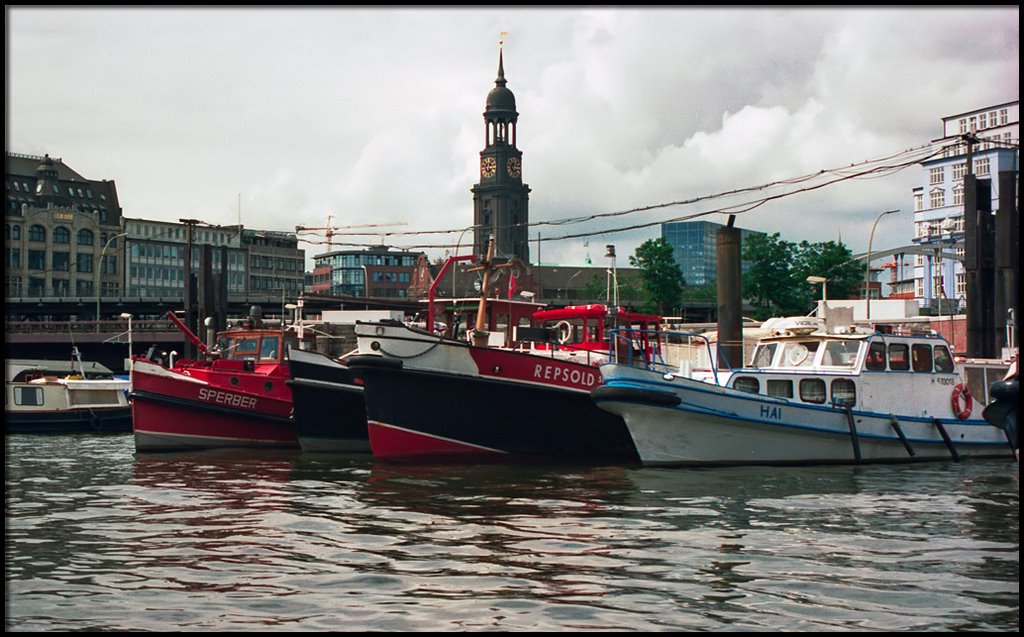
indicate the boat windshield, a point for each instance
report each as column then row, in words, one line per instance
column 840, row 353
column 798, row 353
column 763, row 354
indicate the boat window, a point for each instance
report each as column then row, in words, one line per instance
column 747, row 384
column 943, row 360
column 95, row 397
column 244, row 349
column 780, row 388
column 876, row 356
column 840, row 353
column 844, row 392
column 763, row 355
column 898, row 359
column 921, row 355
column 799, row 354
column 812, row 390
column 28, row 396
column 268, row 348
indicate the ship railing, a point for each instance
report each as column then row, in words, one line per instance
column 686, row 354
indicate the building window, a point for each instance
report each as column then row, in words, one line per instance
column 918, row 201
column 963, row 126
column 85, row 237
column 84, row 263
column 36, row 259
column 36, row 233
column 61, row 261
column 959, row 170
column 935, row 175
column 1002, row 116
column 983, row 121
column 981, row 167
column 961, row 284
column 958, row 195
column 61, row 235
column 937, row 198
column 61, row 287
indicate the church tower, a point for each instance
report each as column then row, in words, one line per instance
column 500, row 200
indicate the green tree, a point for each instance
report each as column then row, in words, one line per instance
column 660, row 276
column 767, row 281
column 835, row 262
column 776, row 284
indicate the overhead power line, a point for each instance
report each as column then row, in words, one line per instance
column 868, row 169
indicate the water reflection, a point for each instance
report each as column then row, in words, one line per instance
column 100, row 538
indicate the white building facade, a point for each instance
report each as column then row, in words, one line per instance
column 939, row 279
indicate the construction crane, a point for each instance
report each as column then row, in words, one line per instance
column 330, row 231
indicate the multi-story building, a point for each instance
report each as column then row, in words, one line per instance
column 377, row 272
column 695, row 248
column 61, row 231
column 155, row 253
column 259, row 262
column 939, row 202
column 276, row 264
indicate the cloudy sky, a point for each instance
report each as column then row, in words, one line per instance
column 284, row 117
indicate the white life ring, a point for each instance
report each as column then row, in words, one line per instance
column 563, row 329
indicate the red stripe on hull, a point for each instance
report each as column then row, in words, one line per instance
column 531, row 368
column 394, row 443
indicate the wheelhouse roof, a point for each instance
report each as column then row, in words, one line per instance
column 594, row 311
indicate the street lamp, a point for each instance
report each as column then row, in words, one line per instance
column 99, row 269
column 613, row 283
column 824, row 292
column 867, row 265
column 131, row 363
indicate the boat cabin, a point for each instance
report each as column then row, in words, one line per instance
column 845, row 369
column 590, row 328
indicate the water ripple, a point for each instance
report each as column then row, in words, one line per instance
column 101, row 539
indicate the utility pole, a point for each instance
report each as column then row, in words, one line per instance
column 189, row 290
column 979, row 266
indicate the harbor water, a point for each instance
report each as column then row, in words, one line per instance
column 100, row 538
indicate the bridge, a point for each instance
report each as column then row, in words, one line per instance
column 51, row 327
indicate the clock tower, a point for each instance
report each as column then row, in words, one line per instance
column 500, row 199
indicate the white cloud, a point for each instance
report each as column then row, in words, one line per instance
column 375, row 115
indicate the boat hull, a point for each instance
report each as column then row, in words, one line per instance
column 472, row 418
column 113, row 420
column 328, row 412
column 687, row 422
column 173, row 412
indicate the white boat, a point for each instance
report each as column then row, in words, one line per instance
column 809, row 396
column 44, row 396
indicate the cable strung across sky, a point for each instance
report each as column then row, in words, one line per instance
column 868, row 169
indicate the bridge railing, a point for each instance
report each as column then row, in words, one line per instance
column 84, row 327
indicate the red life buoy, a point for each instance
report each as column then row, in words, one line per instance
column 962, row 394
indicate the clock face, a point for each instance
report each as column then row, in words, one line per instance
column 515, row 167
column 488, row 166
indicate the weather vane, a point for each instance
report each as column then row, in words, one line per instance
column 501, row 38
